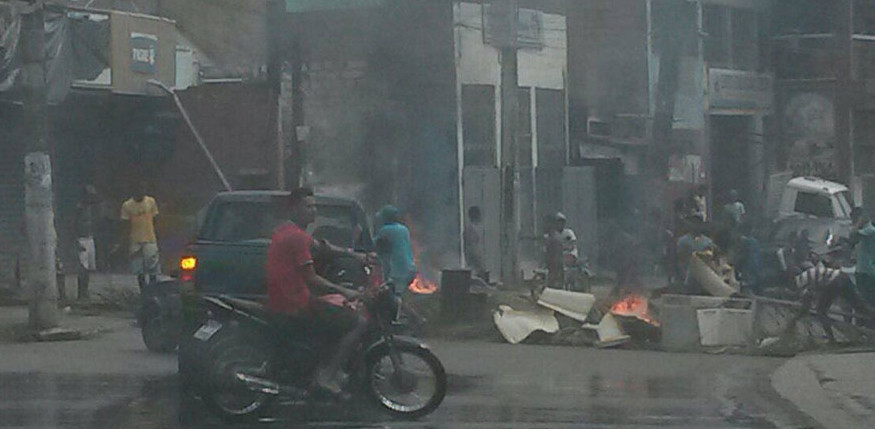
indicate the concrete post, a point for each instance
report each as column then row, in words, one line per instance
column 39, row 208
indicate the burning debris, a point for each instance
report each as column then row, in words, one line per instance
column 422, row 286
column 576, row 308
column 634, row 305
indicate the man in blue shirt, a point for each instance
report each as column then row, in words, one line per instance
column 394, row 249
column 863, row 237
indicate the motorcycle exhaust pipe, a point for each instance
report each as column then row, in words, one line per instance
column 258, row 384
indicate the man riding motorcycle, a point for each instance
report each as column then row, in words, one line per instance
column 296, row 291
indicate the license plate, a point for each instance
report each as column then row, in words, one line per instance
column 207, row 330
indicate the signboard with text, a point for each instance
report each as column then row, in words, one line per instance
column 144, row 49
column 735, row 89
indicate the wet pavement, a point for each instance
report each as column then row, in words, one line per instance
column 490, row 386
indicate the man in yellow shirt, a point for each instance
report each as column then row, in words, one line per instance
column 140, row 212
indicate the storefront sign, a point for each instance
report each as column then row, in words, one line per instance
column 144, row 48
column 734, row 89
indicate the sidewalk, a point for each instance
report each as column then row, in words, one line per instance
column 102, row 286
column 114, row 348
column 837, row 390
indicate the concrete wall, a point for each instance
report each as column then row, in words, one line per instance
column 231, row 33
column 378, row 98
column 607, row 58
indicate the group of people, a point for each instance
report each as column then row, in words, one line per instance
column 818, row 280
column 697, row 228
column 93, row 232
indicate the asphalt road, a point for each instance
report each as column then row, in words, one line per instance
column 112, row 382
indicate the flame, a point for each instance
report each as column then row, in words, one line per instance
column 633, row 306
column 419, row 285
column 422, row 286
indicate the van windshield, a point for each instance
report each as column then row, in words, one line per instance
column 817, row 205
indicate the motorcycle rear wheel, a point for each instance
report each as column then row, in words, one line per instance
column 223, row 394
column 399, row 393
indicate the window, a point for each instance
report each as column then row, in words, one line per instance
column 335, row 224
column 731, row 37
column 550, row 107
column 745, row 50
column 714, row 20
column 241, row 221
column 524, row 127
column 813, row 204
column 478, row 124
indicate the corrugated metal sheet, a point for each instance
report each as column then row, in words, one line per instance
column 11, row 196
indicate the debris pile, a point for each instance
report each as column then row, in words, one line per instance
column 573, row 318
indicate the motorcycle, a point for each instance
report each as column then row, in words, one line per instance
column 251, row 361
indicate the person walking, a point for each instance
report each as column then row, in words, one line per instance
column 140, row 212
column 394, row 249
column 396, row 259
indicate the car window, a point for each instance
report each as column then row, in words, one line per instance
column 334, row 223
column 241, row 221
column 813, row 204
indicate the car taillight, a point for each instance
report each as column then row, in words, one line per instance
column 187, row 265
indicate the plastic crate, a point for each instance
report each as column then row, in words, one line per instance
column 724, row 326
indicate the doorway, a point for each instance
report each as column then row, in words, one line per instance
column 730, row 156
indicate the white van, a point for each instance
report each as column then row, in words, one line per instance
column 815, row 197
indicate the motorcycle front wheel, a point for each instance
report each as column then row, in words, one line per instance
column 224, row 394
column 414, row 389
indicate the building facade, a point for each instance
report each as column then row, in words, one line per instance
column 706, row 60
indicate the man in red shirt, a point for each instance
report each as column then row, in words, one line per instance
column 293, row 286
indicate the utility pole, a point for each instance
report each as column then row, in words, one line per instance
column 510, row 181
column 670, row 37
column 844, row 30
column 273, row 23
column 39, row 208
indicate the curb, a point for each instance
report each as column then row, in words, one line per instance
column 803, row 385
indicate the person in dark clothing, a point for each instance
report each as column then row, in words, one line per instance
column 474, row 243
column 749, row 260
column 802, row 249
column 863, row 237
column 553, row 253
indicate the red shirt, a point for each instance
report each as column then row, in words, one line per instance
column 288, row 254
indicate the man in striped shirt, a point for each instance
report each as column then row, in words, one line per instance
column 824, row 285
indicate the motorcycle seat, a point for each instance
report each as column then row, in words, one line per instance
column 252, row 307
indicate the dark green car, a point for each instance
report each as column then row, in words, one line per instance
column 229, row 253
